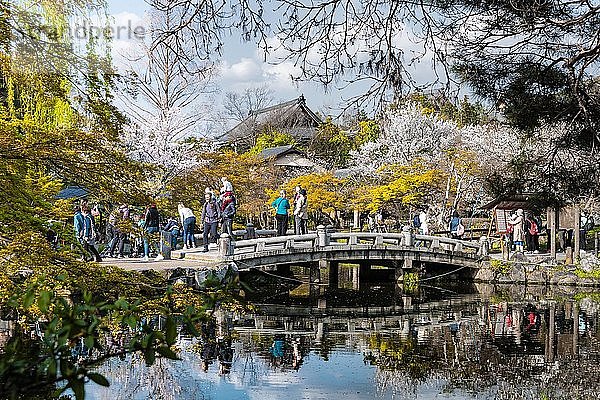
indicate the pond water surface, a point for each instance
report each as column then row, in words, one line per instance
column 474, row 342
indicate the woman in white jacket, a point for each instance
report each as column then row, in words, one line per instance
column 188, row 221
column 301, row 212
column 517, row 223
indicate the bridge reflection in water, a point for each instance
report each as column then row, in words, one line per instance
column 466, row 337
column 492, row 342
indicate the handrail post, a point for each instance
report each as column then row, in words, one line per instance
column 484, row 246
column 323, row 235
column 409, row 238
column 352, row 239
column 250, row 231
column 226, row 247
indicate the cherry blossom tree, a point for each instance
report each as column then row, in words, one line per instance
column 168, row 102
column 465, row 154
column 164, row 142
column 406, row 133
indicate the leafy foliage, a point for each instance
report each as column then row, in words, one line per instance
column 271, row 138
column 249, row 174
column 48, row 136
column 323, row 191
column 401, row 186
column 331, row 145
column 70, row 316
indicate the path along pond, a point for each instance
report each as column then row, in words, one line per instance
column 456, row 341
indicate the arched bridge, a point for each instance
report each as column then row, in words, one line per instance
column 386, row 249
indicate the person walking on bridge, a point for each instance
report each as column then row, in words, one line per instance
column 86, row 233
column 281, row 206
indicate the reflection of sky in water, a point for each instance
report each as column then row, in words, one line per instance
column 344, row 376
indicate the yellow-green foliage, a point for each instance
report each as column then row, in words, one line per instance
column 411, row 282
column 463, row 112
column 500, row 266
column 323, row 191
column 331, row 145
column 403, row 185
column 271, row 138
column 368, row 131
column 397, row 354
column 593, row 274
column 249, row 174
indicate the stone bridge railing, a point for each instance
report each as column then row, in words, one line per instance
column 323, row 238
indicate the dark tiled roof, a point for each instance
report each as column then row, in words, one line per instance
column 525, row 201
column 274, row 152
column 294, row 116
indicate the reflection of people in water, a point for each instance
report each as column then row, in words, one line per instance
column 297, row 354
column 213, row 348
column 277, row 350
column 531, row 320
column 209, row 345
column 225, row 355
column 286, row 352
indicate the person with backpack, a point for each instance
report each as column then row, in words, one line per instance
column 416, row 222
column 532, row 232
column 211, row 214
column 228, row 209
column 172, row 226
column 457, row 229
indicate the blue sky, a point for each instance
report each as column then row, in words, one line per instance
column 242, row 65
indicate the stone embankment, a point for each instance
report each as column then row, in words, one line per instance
column 541, row 270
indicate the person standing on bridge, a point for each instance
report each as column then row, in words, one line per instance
column 423, row 219
column 211, row 214
column 300, row 213
column 281, row 206
column 457, row 229
column 151, row 227
column 188, row 222
column 228, row 212
column 297, row 195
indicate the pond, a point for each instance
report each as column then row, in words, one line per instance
column 382, row 342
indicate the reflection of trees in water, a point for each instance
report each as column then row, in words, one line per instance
column 132, row 379
column 508, row 351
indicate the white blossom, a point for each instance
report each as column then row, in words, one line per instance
column 162, row 141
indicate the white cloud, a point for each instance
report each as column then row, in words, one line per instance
column 244, row 70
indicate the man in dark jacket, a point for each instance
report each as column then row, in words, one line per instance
column 151, row 224
column 211, row 214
